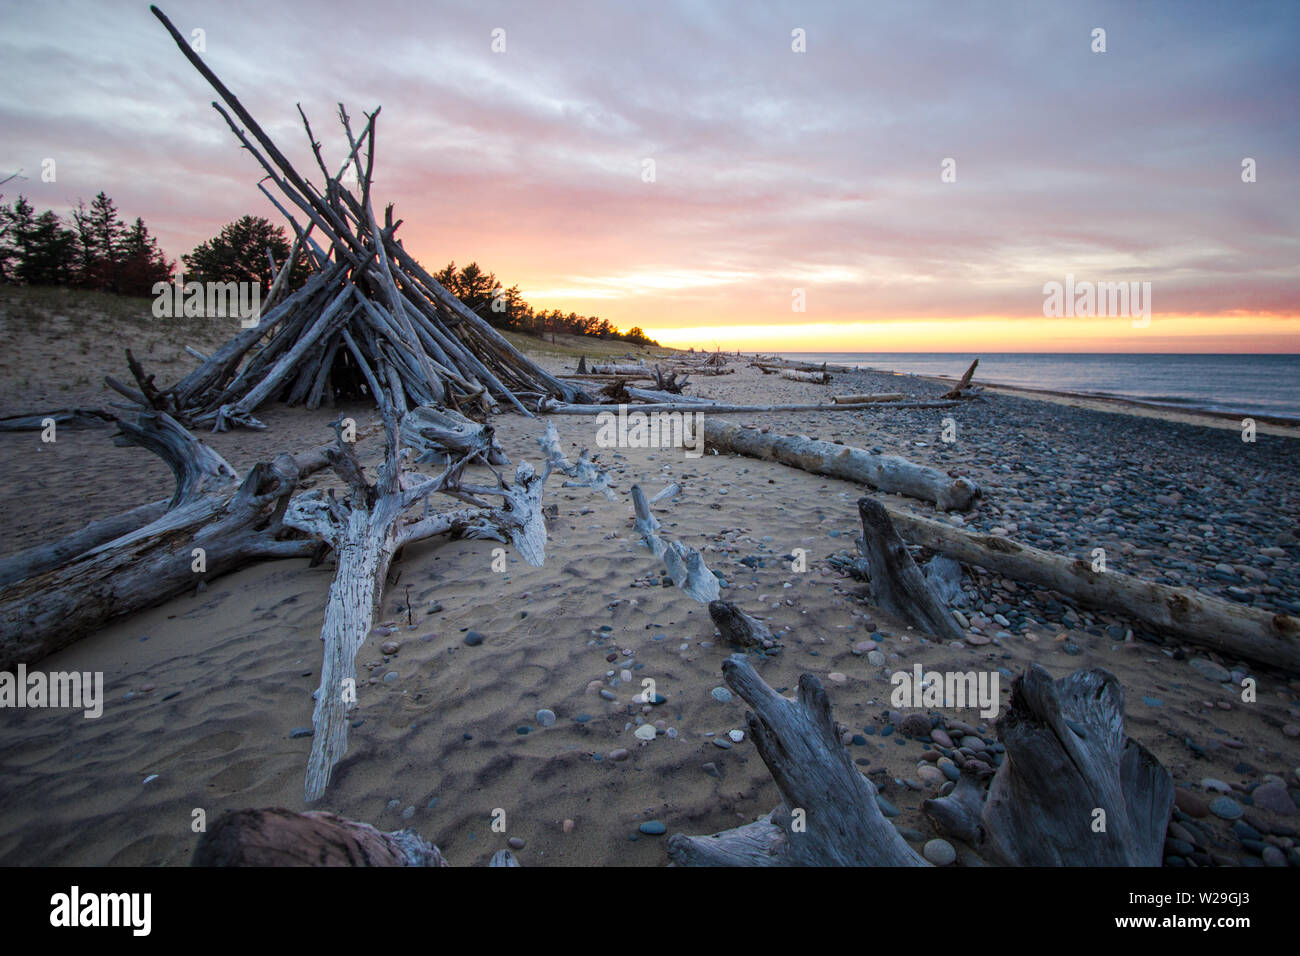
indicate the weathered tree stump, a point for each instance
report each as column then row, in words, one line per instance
column 828, row 815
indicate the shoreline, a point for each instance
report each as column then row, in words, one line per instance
column 1187, row 414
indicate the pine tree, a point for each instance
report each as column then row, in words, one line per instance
column 238, row 254
column 100, row 234
column 18, row 222
column 143, row 263
column 50, row 255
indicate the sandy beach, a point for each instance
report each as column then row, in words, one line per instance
column 208, row 697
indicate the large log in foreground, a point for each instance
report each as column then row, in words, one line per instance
column 884, row 472
column 828, row 815
column 1074, row 788
column 1233, row 629
column 278, row 837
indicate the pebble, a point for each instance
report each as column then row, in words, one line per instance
column 887, row 808
column 837, row 677
column 939, row 852
column 915, row 725
column 931, row 774
column 1210, row 670
column 568, row 826
column 721, row 695
column 301, row 732
column 473, row 639
column 390, row 677
column 721, row 743
column 1226, row 808
column 711, row 769
column 736, row 736
column 620, row 753
column 1274, row 797
column 546, row 718
column 1273, row 856
column 876, row 658
column 389, row 647
column 516, row 843
column 653, row 828
column 645, row 732
column 1191, row 804
column 940, row 737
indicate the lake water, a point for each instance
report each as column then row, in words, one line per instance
column 1249, row 384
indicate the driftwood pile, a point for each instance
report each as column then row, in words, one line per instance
column 370, row 316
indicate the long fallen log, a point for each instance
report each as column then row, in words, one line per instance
column 866, row 399
column 884, row 472
column 67, row 417
column 694, row 404
column 215, row 522
column 817, row 378
column 1225, row 626
column 43, row 557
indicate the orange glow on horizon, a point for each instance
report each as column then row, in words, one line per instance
column 1206, row 334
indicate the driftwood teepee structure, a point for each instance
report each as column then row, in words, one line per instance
column 369, row 318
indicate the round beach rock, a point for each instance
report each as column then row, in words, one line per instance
column 1226, row 808
column 939, row 852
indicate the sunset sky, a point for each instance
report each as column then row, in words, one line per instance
column 774, row 170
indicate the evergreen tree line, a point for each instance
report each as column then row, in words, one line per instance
column 98, row 251
column 506, row 309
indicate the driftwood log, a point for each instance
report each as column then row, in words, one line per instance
column 67, row 417
column 685, row 565
column 1225, row 626
column 278, row 837
column 817, row 378
column 365, row 532
column 684, row 403
column 828, row 815
column 888, row 473
column 76, row 586
column 738, row 628
column 867, row 399
column 897, row 584
column 1074, row 788
column 963, row 388
column 442, row 435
